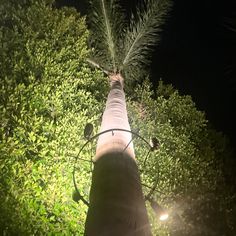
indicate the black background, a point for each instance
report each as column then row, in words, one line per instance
column 198, row 54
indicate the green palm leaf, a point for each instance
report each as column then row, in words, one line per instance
column 106, row 23
column 119, row 47
column 142, row 35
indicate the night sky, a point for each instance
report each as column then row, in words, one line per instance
column 197, row 55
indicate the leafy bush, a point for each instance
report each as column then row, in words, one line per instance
column 48, row 94
column 186, row 169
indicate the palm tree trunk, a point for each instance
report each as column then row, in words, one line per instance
column 117, row 206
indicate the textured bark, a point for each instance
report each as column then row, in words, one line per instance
column 117, row 206
column 115, row 116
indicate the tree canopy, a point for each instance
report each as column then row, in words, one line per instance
column 48, row 93
column 121, row 45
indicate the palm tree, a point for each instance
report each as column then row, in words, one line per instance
column 122, row 50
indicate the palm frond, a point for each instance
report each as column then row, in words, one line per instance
column 142, row 35
column 106, row 24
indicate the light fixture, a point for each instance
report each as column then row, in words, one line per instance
column 154, row 143
column 161, row 213
column 88, row 131
column 164, row 216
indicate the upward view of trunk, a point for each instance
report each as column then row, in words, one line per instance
column 117, row 206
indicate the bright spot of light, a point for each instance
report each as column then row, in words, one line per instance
column 164, row 217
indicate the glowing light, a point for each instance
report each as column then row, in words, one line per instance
column 164, row 216
column 159, row 211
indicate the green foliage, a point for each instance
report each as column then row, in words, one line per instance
column 47, row 95
column 107, row 23
column 142, row 35
column 177, row 124
column 186, row 171
column 122, row 46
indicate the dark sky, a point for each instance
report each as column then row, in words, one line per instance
column 197, row 55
